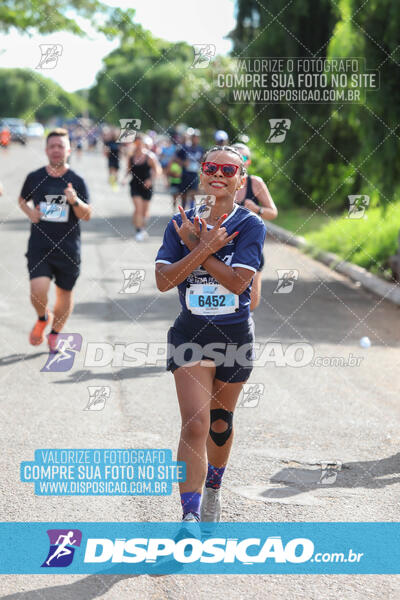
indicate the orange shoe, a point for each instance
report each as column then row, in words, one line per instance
column 36, row 337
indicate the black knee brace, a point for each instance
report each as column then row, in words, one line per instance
column 220, row 438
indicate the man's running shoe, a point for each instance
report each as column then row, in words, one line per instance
column 210, row 509
column 145, row 235
column 139, row 236
column 36, row 337
column 52, row 340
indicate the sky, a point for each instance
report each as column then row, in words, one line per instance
column 193, row 21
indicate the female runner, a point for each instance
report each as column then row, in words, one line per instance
column 144, row 167
column 256, row 197
column 212, row 267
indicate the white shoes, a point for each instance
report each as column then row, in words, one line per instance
column 210, row 509
column 190, row 528
column 141, row 236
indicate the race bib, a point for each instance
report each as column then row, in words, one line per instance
column 55, row 208
column 211, row 299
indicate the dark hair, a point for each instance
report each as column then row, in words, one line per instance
column 243, row 170
column 59, row 132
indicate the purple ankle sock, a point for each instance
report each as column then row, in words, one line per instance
column 214, row 477
column 191, row 503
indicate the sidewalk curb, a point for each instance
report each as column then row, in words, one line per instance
column 388, row 291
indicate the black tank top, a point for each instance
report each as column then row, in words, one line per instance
column 249, row 195
column 139, row 172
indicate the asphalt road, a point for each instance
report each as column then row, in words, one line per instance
column 304, row 415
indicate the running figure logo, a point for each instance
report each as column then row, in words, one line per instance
column 63, row 543
column 63, row 359
column 251, row 395
column 202, row 205
column 203, row 53
column 49, row 55
column 329, row 472
column 132, row 280
column 279, row 129
column 357, row 206
column 129, row 128
column 98, row 395
column 286, row 279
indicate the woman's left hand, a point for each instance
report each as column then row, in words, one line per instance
column 188, row 232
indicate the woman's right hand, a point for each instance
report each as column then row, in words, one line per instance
column 216, row 238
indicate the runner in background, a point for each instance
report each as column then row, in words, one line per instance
column 55, row 199
column 174, row 175
column 256, row 197
column 5, row 137
column 168, row 150
column 112, row 152
column 189, row 157
column 221, row 138
column 144, row 167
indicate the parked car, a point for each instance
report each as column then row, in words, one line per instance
column 35, row 130
column 17, row 129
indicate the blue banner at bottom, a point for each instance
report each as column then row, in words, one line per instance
column 220, row 548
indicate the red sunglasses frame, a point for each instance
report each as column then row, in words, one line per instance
column 219, row 166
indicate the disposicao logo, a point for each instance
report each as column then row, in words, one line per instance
column 62, row 547
column 189, row 550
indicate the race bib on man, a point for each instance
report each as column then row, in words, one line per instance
column 207, row 300
column 55, row 208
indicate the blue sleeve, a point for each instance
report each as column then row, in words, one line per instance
column 171, row 250
column 249, row 245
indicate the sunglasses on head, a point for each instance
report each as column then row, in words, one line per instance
column 227, row 170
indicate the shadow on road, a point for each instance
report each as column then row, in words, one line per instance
column 371, row 474
column 132, row 307
column 14, row 358
column 125, row 373
column 93, row 586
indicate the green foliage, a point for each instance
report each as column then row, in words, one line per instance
column 28, row 95
column 367, row 242
column 47, row 16
column 332, row 151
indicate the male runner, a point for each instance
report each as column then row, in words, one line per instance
column 189, row 157
column 54, row 198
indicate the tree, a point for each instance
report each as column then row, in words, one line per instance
column 47, row 16
column 29, row 95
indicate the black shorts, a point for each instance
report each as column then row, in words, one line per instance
column 138, row 189
column 190, row 339
column 42, row 263
column 190, row 181
column 113, row 163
